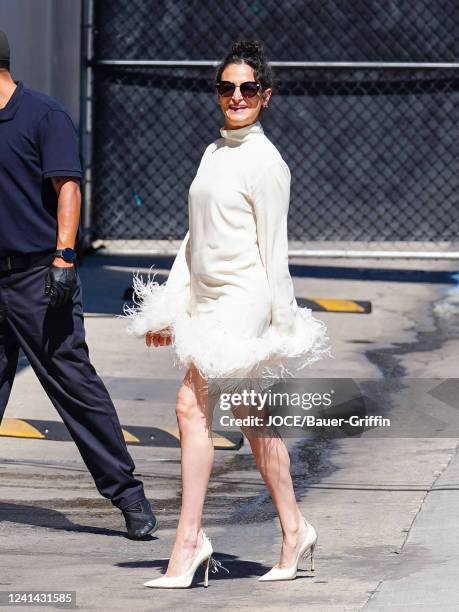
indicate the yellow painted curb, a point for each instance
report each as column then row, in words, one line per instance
column 217, row 440
column 173, row 431
column 221, row 442
column 19, row 429
column 334, row 304
column 130, row 437
column 142, row 436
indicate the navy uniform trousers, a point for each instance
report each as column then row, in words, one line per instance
column 54, row 342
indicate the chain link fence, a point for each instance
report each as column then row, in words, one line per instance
column 373, row 149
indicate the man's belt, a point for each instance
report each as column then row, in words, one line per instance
column 22, row 262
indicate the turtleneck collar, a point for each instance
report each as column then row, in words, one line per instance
column 242, row 134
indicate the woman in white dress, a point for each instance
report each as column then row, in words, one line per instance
column 229, row 310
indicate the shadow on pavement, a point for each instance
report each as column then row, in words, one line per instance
column 52, row 519
column 238, row 568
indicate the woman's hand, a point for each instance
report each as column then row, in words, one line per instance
column 161, row 338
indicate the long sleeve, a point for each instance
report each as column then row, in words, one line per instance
column 270, row 199
column 158, row 306
column 178, row 281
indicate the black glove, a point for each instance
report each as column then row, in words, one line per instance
column 60, row 285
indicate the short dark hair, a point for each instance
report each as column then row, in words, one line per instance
column 249, row 52
column 4, row 65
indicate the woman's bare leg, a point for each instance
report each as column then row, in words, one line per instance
column 273, row 462
column 197, row 457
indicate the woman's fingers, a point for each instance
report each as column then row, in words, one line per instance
column 151, row 338
column 157, row 339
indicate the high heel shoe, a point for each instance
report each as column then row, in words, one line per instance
column 306, row 549
column 203, row 556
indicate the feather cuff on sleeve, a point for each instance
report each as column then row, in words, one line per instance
column 158, row 306
column 155, row 306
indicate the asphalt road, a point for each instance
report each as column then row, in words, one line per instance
column 370, row 497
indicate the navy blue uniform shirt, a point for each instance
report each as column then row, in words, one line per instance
column 37, row 141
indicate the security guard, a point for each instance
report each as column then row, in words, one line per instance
column 40, row 293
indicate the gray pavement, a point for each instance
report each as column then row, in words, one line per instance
column 431, row 584
column 384, row 507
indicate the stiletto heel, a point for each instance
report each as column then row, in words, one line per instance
column 306, row 549
column 313, row 547
column 206, row 574
column 309, row 555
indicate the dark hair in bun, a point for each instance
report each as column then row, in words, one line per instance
column 249, row 52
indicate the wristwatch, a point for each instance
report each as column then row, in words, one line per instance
column 69, row 255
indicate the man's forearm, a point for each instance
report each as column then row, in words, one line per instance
column 68, row 211
column 68, row 215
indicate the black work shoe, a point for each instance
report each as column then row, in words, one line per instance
column 140, row 520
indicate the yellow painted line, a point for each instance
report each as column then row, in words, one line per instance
column 333, row 304
column 130, row 437
column 19, row 429
column 217, row 440
column 173, row 431
column 222, row 442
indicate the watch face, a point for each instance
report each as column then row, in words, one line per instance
column 68, row 254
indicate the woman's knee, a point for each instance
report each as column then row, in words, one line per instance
column 186, row 405
column 188, row 411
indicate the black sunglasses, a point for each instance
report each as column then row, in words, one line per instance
column 249, row 89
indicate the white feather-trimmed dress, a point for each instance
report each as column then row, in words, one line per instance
column 229, row 298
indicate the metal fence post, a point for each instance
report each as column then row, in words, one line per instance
column 86, row 116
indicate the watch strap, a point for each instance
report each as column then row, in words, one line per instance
column 68, row 254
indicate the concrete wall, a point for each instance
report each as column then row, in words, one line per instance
column 44, row 37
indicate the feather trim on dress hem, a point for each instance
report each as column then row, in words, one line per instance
column 203, row 339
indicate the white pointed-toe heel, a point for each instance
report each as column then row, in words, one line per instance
column 203, row 556
column 305, row 550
